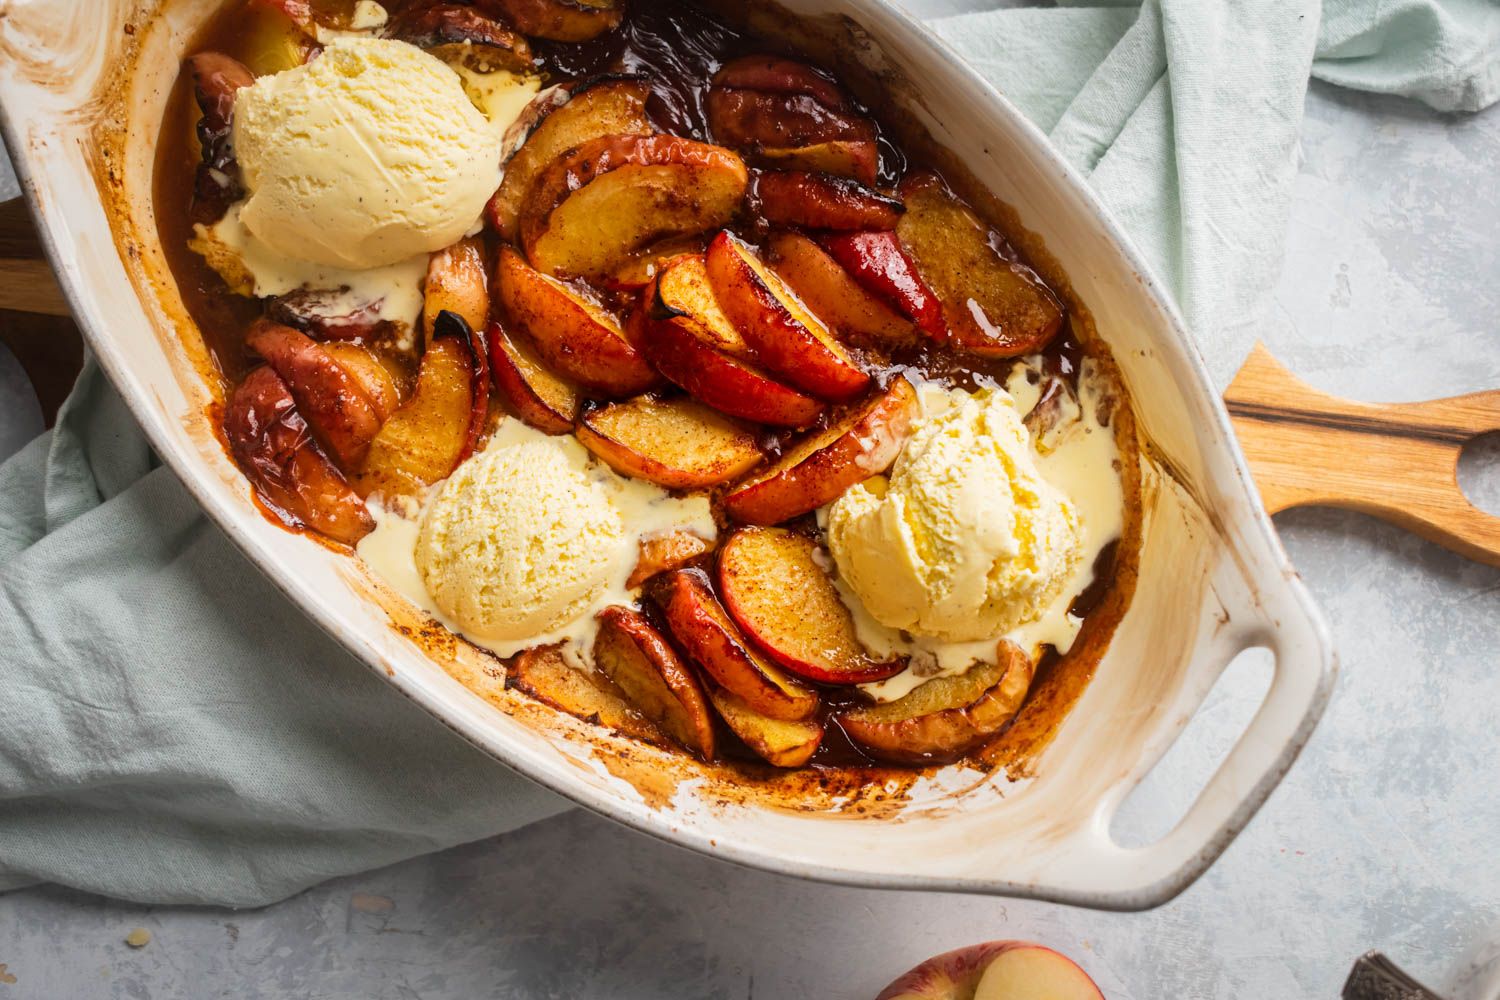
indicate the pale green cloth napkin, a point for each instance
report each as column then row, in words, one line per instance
column 172, row 731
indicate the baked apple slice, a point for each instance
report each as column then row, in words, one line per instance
column 337, row 411
column 424, row 441
column 856, row 158
column 780, row 742
column 567, row 117
column 661, row 553
column 576, row 337
column 217, row 78
column 452, row 325
column 635, row 656
column 373, row 378
column 458, row 282
column 776, row 591
column 877, row 261
column 461, row 35
column 270, row 441
column 687, row 336
column 823, row 201
column 316, row 312
column 755, row 119
column 785, row 337
column 706, row 633
column 526, row 387
column 559, row 20
column 827, row 289
column 595, row 205
column 994, row 306
column 946, row 717
column 636, row 271
column 678, row 443
column 821, row 467
column 779, row 75
column 544, row 675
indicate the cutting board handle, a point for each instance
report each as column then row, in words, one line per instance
column 1397, row 461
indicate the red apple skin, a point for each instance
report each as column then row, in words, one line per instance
column 780, row 76
column 954, row 975
column 877, row 261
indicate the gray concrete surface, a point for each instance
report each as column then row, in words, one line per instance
column 1384, row 835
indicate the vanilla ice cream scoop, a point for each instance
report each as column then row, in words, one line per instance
column 966, row 540
column 368, row 155
column 518, row 542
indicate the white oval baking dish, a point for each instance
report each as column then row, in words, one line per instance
column 83, row 84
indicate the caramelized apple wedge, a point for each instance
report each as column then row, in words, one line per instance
column 452, row 325
column 786, row 338
column 754, row 119
column 542, row 673
column 217, row 78
column 373, row 378
column 823, row 201
column 994, row 307
column 946, row 717
column 319, row 314
column 779, row 75
column 704, row 631
column 424, row 440
column 821, row 467
column 603, row 200
column 526, row 387
column 575, row 336
column 567, row 117
column 458, row 282
column 678, row 443
column 877, row 261
column 827, row 289
column 560, row 20
column 461, row 35
column 776, row 591
column 661, row 553
column 635, row 656
column 856, row 158
column 780, row 742
column 337, row 411
column 687, row 336
column 270, row 441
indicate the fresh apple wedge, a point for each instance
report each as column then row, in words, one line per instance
column 458, row 282
column 558, row 20
column 859, row 159
column 567, row 117
column 576, row 337
column 822, row 466
column 678, row 443
column 661, row 553
column 994, row 306
column 755, row 119
column 687, row 336
column 526, row 387
column 779, row 595
column 425, row 439
column 1025, row 971
column 705, row 632
column 877, row 261
column 340, row 415
column 785, row 337
column 544, row 674
column 270, row 441
column 372, row 377
column 779, row 75
column 600, row 202
column 780, row 742
column 827, row 289
column 823, row 201
column 635, row 656
column 461, row 35
column 946, row 717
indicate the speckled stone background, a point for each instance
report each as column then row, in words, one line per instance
column 1386, row 834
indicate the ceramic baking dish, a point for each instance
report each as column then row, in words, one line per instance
column 83, row 86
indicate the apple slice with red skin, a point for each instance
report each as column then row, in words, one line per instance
column 779, row 742
column 456, row 33
column 337, row 411
column 861, row 443
column 856, row 158
column 779, row 75
column 995, row 970
column 310, row 310
column 600, row 202
column 879, row 263
column 661, row 553
column 451, row 324
column 373, row 378
column 566, row 118
column 947, row 717
column 558, row 20
column 640, row 661
column 776, row 591
column 785, row 337
column 217, row 79
column 704, row 630
column 576, row 337
column 457, row 281
column 995, row 307
column 678, row 443
column 542, row 673
column 269, row 439
column 755, row 119
column 684, row 331
column 540, row 398
column 816, row 200
column 828, row 290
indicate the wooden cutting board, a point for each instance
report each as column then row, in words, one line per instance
column 1397, row 461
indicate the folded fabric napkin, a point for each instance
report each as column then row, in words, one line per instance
column 171, row 730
